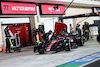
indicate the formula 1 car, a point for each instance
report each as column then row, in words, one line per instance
column 59, row 44
column 64, row 41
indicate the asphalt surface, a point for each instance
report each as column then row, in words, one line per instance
column 94, row 64
column 27, row 58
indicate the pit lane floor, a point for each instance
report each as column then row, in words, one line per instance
column 27, row 58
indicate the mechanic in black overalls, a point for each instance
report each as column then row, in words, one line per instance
column 86, row 30
column 46, row 36
column 7, row 34
column 78, row 30
column 63, row 33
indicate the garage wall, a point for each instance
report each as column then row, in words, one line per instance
column 37, row 18
column 49, row 23
column 1, row 40
column 14, row 20
column 78, row 10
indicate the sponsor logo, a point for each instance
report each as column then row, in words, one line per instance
column 51, row 9
column 18, row 8
column 22, row 8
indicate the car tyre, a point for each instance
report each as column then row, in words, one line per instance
column 68, row 47
column 41, row 51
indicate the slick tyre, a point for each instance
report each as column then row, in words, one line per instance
column 98, row 38
column 41, row 51
column 81, row 42
column 68, row 47
column 57, row 48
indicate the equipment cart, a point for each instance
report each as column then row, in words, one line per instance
column 16, row 43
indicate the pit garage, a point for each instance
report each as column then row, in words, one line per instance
column 84, row 54
column 20, row 21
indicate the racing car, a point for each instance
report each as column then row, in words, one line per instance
column 64, row 41
column 58, row 44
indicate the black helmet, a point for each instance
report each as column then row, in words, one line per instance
column 50, row 31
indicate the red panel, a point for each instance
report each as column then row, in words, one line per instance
column 23, row 31
column 59, row 27
column 18, row 8
column 27, row 32
column 49, row 9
